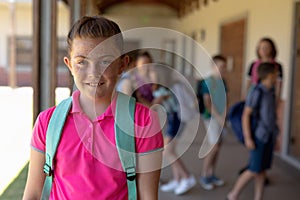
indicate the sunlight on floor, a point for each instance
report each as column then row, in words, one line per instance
column 15, row 130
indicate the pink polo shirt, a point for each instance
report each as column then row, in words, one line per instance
column 87, row 164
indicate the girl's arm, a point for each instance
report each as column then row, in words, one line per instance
column 36, row 176
column 278, row 91
column 247, row 128
column 149, row 167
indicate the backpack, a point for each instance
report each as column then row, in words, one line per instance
column 124, row 134
column 235, row 117
column 199, row 92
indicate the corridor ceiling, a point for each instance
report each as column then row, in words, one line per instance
column 181, row 7
column 176, row 5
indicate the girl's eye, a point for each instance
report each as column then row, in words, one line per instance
column 82, row 63
column 105, row 62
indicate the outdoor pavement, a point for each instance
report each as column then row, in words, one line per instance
column 15, row 131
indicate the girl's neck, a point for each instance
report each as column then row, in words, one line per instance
column 267, row 59
column 94, row 107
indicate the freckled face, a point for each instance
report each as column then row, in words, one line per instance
column 95, row 65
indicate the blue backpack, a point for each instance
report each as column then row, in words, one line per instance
column 124, row 134
column 235, row 117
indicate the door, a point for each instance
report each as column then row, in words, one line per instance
column 232, row 47
column 294, row 142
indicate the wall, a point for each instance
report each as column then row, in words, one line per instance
column 132, row 19
column 276, row 22
column 142, row 23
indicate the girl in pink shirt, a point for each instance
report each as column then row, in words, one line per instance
column 86, row 164
column 266, row 52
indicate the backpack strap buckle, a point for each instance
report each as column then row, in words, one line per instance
column 130, row 173
column 48, row 170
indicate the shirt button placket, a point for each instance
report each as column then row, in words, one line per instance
column 90, row 140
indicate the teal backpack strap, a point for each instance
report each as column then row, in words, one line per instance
column 124, row 128
column 53, row 134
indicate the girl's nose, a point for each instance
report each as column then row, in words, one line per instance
column 95, row 70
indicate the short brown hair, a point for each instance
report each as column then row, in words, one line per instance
column 94, row 27
column 264, row 69
column 218, row 58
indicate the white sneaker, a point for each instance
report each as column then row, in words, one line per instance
column 185, row 185
column 170, row 186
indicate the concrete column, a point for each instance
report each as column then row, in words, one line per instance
column 44, row 54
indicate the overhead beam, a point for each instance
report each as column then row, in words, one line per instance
column 181, row 7
column 102, row 5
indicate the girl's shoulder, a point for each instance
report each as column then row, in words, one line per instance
column 45, row 115
column 278, row 63
column 255, row 63
column 43, row 118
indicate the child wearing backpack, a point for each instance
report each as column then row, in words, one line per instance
column 266, row 51
column 214, row 95
column 261, row 141
column 86, row 164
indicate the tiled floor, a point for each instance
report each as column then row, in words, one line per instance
column 285, row 180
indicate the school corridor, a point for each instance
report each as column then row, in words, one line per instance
column 195, row 30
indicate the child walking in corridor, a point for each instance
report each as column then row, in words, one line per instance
column 214, row 96
column 261, row 105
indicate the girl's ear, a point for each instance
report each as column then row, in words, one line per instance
column 124, row 64
column 68, row 63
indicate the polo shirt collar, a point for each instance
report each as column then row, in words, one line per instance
column 264, row 89
column 76, row 108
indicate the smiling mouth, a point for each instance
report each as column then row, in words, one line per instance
column 95, row 84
